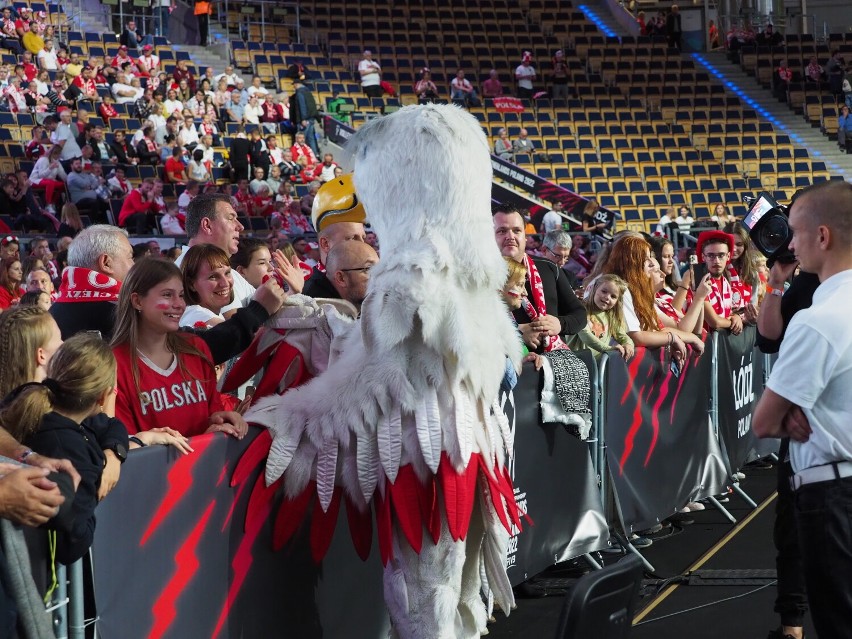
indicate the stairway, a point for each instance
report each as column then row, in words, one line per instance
column 783, row 119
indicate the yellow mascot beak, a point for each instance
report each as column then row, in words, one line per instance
column 336, row 201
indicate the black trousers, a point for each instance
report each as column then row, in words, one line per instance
column 203, row 28
column 791, row 602
column 824, row 521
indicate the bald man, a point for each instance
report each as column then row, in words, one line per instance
column 319, row 285
column 813, row 409
column 348, row 270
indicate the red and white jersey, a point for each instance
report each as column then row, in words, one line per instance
column 298, row 150
column 721, row 296
column 167, row 398
column 149, row 63
column 742, row 292
column 664, row 301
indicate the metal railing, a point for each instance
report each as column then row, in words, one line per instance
column 266, row 14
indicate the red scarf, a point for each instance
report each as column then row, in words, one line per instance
column 84, row 285
column 537, row 307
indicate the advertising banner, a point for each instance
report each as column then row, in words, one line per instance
column 661, row 449
column 740, row 387
column 508, row 105
column 554, row 483
column 175, row 555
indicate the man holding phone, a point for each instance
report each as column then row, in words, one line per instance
column 714, row 249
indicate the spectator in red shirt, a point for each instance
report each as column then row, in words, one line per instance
column 11, row 276
column 181, row 72
column 301, row 149
column 138, row 211
column 175, row 169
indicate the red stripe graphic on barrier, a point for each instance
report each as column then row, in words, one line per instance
column 164, row 610
column 632, row 372
column 655, row 415
column 243, row 559
column 180, row 481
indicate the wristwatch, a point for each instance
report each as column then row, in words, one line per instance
column 777, row 292
column 120, row 451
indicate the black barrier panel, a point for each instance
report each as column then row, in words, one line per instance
column 740, row 388
column 555, row 482
column 174, row 558
column 661, row 450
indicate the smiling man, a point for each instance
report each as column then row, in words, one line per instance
column 807, row 398
column 553, row 309
column 211, row 219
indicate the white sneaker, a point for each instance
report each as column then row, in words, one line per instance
column 50, row 209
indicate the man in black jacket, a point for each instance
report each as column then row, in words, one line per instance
column 303, row 113
column 561, row 313
column 102, row 253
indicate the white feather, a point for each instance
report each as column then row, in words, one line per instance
column 428, row 424
column 326, row 472
column 368, row 465
column 389, row 440
column 505, row 429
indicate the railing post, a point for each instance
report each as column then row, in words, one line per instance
column 76, row 613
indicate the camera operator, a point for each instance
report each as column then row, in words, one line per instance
column 776, row 311
column 813, row 410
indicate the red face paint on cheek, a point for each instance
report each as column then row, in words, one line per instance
column 163, row 306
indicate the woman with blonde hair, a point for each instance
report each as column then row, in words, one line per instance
column 70, row 223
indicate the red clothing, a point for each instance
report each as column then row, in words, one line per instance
column 298, row 150
column 167, row 398
column 134, row 203
column 30, row 70
column 107, row 111
column 720, row 298
column 173, row 165
column 8, row 300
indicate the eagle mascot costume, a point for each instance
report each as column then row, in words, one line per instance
column 404, row 422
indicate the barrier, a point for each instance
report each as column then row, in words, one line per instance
column 673, row 438
column 174, row 555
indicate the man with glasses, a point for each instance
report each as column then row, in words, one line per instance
column 556, row 309
column 557, row 247
column 348, row 269
column 714, row 249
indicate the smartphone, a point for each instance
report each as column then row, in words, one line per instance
column 693, row 260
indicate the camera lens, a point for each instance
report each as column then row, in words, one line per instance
column 774, row 235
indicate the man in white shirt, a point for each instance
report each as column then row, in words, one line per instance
column 149, row 62
column 257, row 89
column 807, row 398
column 211, row 219
column 371, row 75
column 525, row 75
column 553, row 219
column 47, row 57
column 123, row 92
column 65, row 135
column 229, row 76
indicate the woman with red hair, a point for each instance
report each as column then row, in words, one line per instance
column 630, row 259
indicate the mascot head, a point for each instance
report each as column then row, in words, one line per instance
column 336, row 201
column 423, row 175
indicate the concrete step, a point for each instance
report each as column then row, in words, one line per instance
column 782, row 117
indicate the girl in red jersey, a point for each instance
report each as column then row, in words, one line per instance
column 11, row 276
column 165, row 378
